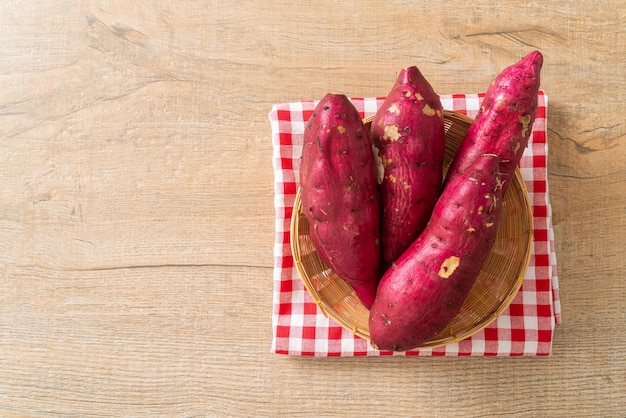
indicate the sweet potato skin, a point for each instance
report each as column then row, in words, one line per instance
column 340, row 196
column 408, row 134
column 420, row 294
column 504, row 122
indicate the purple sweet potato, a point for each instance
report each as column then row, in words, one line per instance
column 408, row 134
column 504, row 122
column 420, row 294
column 339, row 194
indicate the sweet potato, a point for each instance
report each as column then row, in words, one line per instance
column 408, row 134
column 504, row 122
column 420, row 294
column 339, row 194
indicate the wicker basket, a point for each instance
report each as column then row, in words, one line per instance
column 499, row 281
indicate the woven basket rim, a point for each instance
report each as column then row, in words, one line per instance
column 328, row 310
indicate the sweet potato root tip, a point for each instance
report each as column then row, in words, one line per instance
column 504, row 123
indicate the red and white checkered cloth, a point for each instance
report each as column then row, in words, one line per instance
column 300, row 328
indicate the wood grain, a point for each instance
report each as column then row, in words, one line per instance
column 136, row 208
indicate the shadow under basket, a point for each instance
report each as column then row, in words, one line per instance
column 497, row 284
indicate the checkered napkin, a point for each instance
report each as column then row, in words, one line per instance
column 300, row 328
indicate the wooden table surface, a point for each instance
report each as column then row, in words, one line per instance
column 137, row 218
